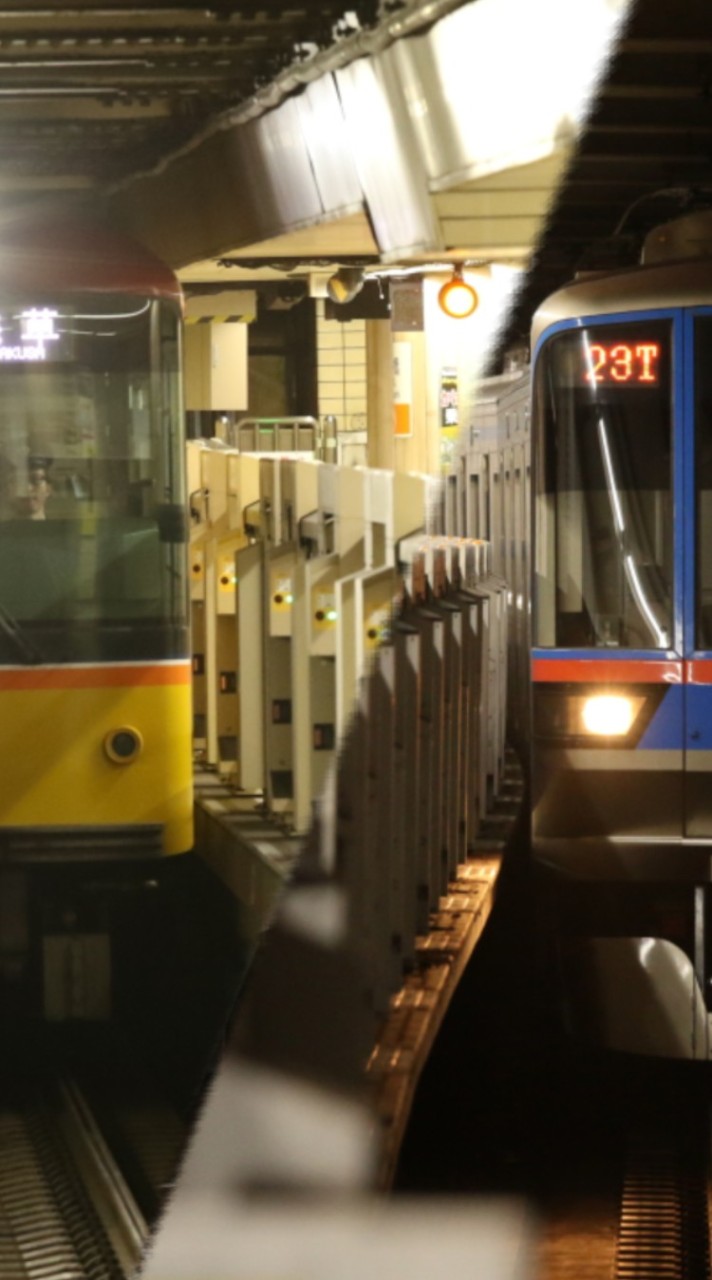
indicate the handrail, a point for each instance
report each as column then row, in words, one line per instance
column 262, row 424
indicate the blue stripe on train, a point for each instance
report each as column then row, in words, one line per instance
column 667, row 730
column 664, row 733
column 699, row 717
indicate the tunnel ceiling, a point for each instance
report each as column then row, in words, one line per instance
column 649, row 132
column 94, row 93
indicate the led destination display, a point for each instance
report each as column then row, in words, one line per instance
column 26, row 336
column 635, row 363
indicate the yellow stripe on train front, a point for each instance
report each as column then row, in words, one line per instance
column 55, row 770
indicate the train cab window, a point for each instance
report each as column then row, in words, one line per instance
column 603, row 527
column 92, row 501
column 703, row 481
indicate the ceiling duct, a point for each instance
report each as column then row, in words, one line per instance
column 449, row 139
column 461, row 134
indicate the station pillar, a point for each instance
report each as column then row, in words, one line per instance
column 400, row 437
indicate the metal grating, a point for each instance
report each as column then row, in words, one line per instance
column 664, row 1231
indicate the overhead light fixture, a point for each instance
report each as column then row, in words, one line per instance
column 457, row 298
column 345, row 284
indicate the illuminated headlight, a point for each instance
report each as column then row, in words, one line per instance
column 610, row 714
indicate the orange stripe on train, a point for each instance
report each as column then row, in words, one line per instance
column 94, row 677
column 623, row 671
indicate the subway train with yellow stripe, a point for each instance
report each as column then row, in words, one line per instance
column 94, row 656
column 618, row 638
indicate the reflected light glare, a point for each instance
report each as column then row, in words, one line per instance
column 631, row 573
column 608, row 713
column 610, row 477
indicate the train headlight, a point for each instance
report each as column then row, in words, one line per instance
column 609, row 714
column 123, row 745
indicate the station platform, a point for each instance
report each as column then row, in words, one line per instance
column 257, row 859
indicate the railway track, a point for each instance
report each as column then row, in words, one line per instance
column 642, row 1214
column 611, row 1152
column 664, row 1222
column 66, row 1209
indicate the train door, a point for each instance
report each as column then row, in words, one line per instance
column 698, row 576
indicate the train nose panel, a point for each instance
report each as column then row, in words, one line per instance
column 636, row 995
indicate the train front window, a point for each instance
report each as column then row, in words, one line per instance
column 603, row 527
column 92, row 502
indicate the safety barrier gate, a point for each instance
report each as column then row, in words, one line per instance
column 422, row 758
column 352, row 792
column 293, row 575
column 350, row 680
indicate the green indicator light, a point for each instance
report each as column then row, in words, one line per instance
column 331, row 615
column 289, row 599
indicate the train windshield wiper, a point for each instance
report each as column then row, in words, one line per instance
column 11, row 628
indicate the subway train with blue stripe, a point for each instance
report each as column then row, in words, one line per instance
column 612, row 611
